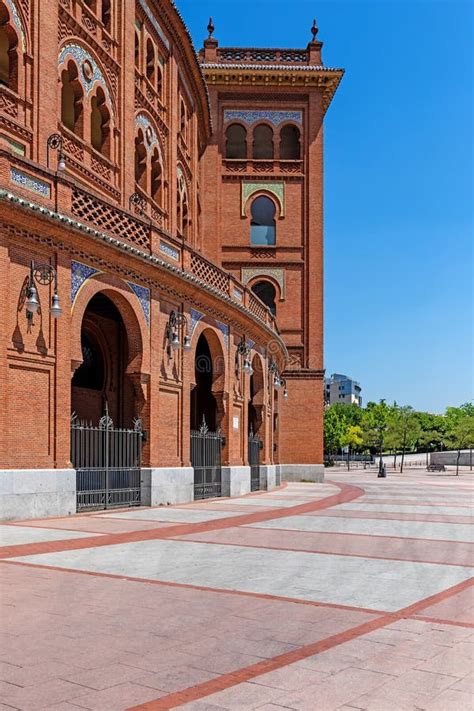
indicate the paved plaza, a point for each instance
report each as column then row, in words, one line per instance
column 352, row 594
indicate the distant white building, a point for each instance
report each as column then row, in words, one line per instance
column 341, row 388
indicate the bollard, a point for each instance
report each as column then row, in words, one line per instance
column 382, row 471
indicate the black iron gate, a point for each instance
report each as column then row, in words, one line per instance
column 107, row 462
column 255, row 446
column 206, row 458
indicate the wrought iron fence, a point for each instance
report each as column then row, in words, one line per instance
column 206, row 458
column 255, row 446
column 107, row 462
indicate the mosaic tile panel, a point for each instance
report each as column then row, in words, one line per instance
column 274, row 117
column 196, row 316
column 277, row 189
column 249, row 273
column 143, row 295
column 79, row 274
column 151, row 139
column 170, row 251
column 30, row 182
column 224, row 329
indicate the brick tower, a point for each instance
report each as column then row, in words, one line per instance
column 262, row 183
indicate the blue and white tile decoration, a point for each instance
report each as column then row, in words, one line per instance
column 169, row 250
column 149, row 132
column 30, row 183
column 250, row 343
column 14, row 14
column 80, row 55
column 238, row 294
column 225, row 331
column 143, row 295
column 251, row 116
column 155, row 24
column 79, row 274
column 196, row 316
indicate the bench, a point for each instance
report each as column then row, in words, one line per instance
column 436, row 468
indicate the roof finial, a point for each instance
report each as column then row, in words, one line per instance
column 314, row 30
column 210, row 28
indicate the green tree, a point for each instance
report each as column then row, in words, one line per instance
column 460, row 429
column 333, row 430
column 352, row 438
column 374, row 425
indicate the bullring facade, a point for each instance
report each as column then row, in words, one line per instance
column 160, row 259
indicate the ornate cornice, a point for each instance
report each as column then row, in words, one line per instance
column 310, row 77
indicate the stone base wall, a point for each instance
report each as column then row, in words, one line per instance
column 167, row 485
column 37, row 493
column 300, row 472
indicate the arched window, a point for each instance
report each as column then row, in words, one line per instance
column 100, row 123
column 156, row 178
column 183, row 119
column 262, row 225
column 137, row 50
column 107, row 14
column 236, row 141
column 140, row 161
column 290, row 143
column 8, row 51
column 266, row 292
column 159, row 80
column 72, row 100
column 183, row 206
column 150, row 61
column 263, row 142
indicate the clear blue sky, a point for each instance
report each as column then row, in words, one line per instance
column 398, row 183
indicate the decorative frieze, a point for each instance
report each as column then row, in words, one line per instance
column 252, row 116
column 155, row 23
column 29, row 182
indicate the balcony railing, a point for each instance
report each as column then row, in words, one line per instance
column 67, row 197
column 257, row 166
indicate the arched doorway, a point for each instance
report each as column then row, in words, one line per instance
column 203, row 402
column 106, row 435
column 206, row 415
column 255, row 424
column 101, row 378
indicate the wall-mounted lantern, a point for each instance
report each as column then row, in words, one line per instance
column 175, row 321
column 55, row 143
column 243, row 352
column 43, row 274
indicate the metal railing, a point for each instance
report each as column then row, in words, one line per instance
column 107, row 462
column 206, row 458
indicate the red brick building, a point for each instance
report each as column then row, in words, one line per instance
column 171, row 206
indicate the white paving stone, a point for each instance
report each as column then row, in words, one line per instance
column 172, row 514
column 407, row 508
column 18, row 535
column 371, row 527
column 359, row 582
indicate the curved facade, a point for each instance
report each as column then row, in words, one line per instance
column 108, row 140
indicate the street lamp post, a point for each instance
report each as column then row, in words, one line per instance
column 55, row 143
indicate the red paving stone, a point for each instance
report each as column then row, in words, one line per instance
column 74, row 640
column 429, row 551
